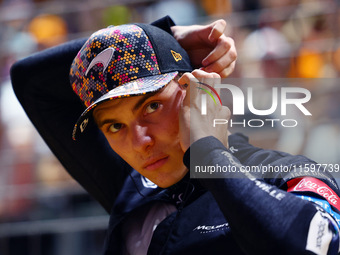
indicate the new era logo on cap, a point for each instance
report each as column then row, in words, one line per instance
column 176, row 55
column 126, row 60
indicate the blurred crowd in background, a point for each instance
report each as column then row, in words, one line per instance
column 44, row 211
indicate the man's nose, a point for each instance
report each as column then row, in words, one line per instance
column 141, row 138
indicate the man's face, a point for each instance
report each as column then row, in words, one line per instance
column 144, row 131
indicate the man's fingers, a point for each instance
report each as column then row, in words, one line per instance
column 209, row 79
column 195, row 75
column 199, row 77
column 228, row 70
column 202, row 74
column 186, row 78
column 224, row 66
column 225, row 46
column 217, row 30
column 222, row 59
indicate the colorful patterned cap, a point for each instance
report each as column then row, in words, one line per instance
column 122, row 61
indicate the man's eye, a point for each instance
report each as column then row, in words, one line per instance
column 152, row 107
column 115, row 127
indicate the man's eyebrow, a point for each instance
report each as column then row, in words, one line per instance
column 105, row 121
column 143, row 99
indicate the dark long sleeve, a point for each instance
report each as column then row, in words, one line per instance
column 264, row 219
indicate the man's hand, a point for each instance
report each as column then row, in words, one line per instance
column 191, row 121
column 208, row 47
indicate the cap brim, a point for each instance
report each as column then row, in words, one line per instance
column 136, row 87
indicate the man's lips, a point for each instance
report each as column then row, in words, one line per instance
column 155, row 163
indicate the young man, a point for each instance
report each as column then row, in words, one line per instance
column 41, row 83
column 128, row 79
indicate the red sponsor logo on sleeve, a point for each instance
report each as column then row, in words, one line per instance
column 316, row 186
